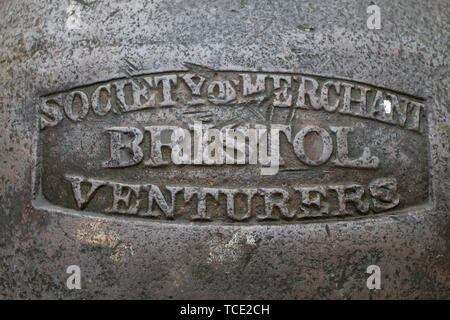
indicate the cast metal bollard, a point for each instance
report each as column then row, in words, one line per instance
column 224, row 150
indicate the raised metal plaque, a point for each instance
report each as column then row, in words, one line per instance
column 258, row 146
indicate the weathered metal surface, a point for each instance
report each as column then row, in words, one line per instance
column 91, row 91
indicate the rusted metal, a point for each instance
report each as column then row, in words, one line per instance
column 343, row 161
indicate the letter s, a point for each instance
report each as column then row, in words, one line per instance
column 50, row 115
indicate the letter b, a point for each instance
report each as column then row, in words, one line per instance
column 117, row 144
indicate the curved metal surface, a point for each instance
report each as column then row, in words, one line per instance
column 49, row 50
